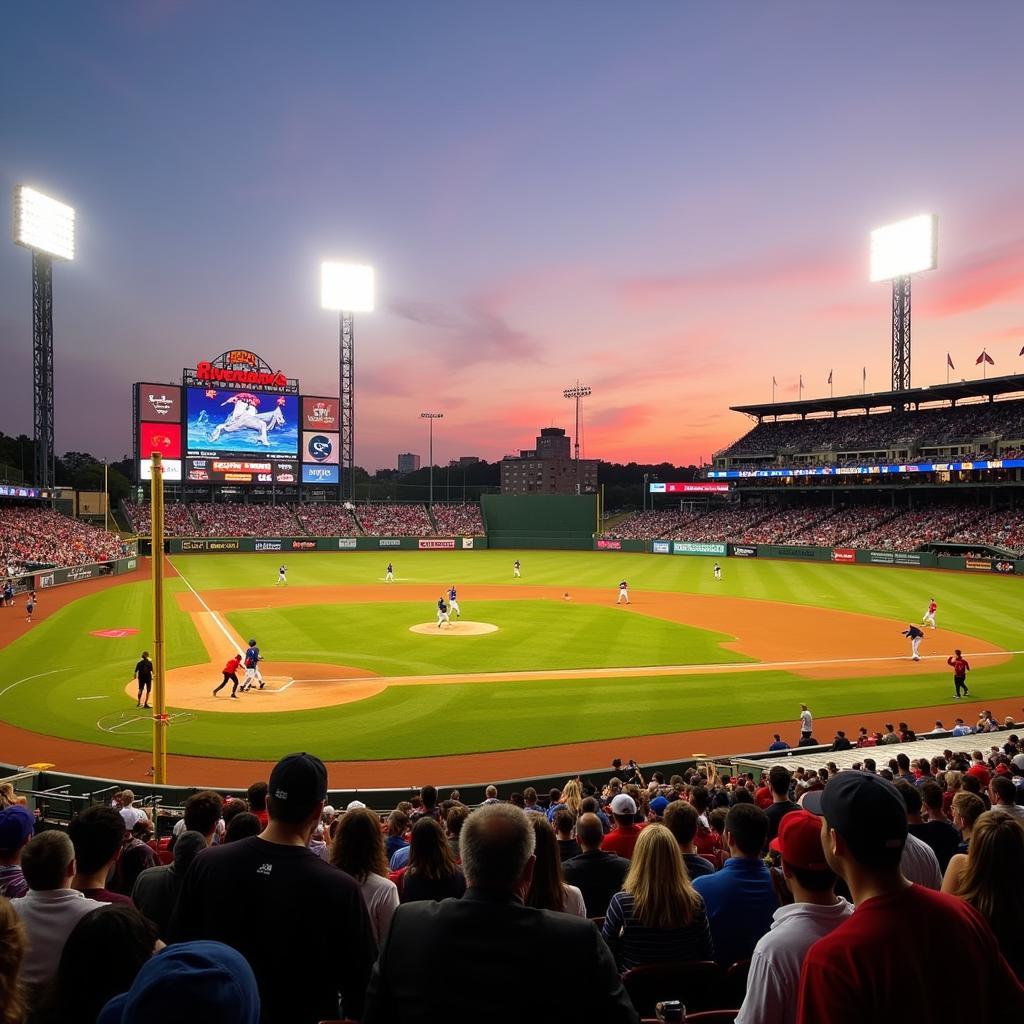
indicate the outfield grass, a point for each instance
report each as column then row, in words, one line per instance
column 67, row 663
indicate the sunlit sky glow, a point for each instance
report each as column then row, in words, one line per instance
column 670, row 202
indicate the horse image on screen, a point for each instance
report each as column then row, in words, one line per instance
column 242, row 422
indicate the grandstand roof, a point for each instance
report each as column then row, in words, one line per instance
column 953, row 392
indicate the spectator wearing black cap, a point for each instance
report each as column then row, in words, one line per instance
column 940, row 836
column 774, row 977
column 851, row 976
column 300, row 922
column 156, row 889
column 740, row 898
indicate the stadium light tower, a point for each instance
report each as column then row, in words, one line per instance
column 898, row 251
column 577, row 392
column 430, row 417
column 347, row 288
column 47, row 228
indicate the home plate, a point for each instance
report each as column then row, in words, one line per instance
column 458, row 628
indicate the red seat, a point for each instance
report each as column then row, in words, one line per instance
column 165, row 856
column 736, row 982
column 697, row 984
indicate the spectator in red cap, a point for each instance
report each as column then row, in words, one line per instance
column 775, row 964
column 851, row 975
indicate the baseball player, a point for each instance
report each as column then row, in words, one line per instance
column 389, row 575
column 929, row 616
column 960, row 666
column 915, row 636
column 718, row 571
column 623, row 593
column 252, row 670
column 9, row 594
column 453, row 602
column 144, row 674
column 515, row 569
column 30, row 606
column 282, row 576
column 230, row 671
column 806, row 720
column 442, row 612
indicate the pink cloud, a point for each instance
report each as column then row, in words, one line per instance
column 989, row 278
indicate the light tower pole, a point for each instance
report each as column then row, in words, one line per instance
column 577, row 392
column 430, row 417
column 47, row 228
column 347, row 288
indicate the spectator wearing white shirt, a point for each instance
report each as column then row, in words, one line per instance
column 774, row 978
column 358, row 850
column 51, row 908
column 131, row 815
column 1003, row 794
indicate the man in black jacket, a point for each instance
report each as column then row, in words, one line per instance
column 155, row 892
column 597, row 873
column 488, row 937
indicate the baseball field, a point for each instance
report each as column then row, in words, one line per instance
column 357, row 670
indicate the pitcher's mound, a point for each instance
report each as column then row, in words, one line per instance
column 458, row 628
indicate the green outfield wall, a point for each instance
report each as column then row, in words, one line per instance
column 562, row 521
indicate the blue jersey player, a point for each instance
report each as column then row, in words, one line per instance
column 453, row 602
column 252, row 667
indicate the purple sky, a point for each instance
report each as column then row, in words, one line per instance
column 670, row 202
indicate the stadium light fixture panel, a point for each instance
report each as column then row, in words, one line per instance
column 43, row 223
column 904, row 248
column 347, row 286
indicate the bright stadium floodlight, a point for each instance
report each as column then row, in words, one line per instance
column 43, row 224
column 904, row 248
column 897, row 251
column 346, row 287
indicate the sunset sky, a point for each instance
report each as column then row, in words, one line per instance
column 670, row 202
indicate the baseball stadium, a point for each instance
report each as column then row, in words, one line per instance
column 705, row 706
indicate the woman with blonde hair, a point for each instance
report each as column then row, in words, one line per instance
column 12, row 951
column 658, row 915
column 569, row 799
column 549, row 890
column 358, row 849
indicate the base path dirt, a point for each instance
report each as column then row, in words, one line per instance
column 831, row 644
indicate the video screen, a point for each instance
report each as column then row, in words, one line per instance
column 164, row 438
column 223, row 421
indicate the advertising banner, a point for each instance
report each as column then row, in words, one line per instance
column 882, row 469
column 743, row 550
column 1003, row 566
column 223, row 422
column 164, row 438
column 172, row 469
column 210, row 545
column 608, row 545
column 321, row 414
column 76, row 574
column 319, row 474
column 895, row 557
column 346, row 543
column 159, row 403
column 300, row 544
column 274, row 544
column 467, row 543
column 661, row 547
column 978, row 564
column 235, row 471
column 693, row 547
column 321, row 448
column 844, row 555
column 389, row 542
column 441, row 544
column 689, row 488
column 16, row 491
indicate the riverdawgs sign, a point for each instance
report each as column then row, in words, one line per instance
column 239, row 368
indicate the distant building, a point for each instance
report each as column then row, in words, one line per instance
column 464, row 460
column 549, row 468
column 408, row 463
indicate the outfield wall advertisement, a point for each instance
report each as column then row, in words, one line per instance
column 695, row 547
column 264, row 545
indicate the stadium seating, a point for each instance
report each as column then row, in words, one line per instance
column 458, row 520
column 392, row 520
column 41, row 536
column 178, row 521
column 327, row 520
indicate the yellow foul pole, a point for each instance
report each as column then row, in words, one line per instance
column 159, row 662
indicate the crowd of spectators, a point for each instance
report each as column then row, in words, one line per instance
column 178, row 521
column 896, row 528
column 32, row 536
column 241, row 520
column 392, row 520
column 754, row 882
column 939, row 428
column 458, row 520
column 327, row 519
